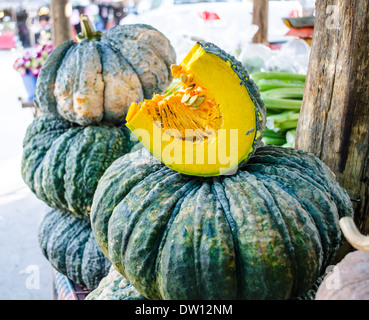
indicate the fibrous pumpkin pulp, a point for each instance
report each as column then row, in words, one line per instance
column 209, row 123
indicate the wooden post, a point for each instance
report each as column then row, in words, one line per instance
column 260, row 18
column 334, row 118
column 61, row 28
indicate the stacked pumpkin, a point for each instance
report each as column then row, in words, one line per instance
column 219, row 216
column 84, row 91
column 253, row 222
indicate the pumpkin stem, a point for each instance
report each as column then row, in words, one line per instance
column 88, row 31
column 353, row 235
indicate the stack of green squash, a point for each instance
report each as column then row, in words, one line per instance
column 83, row 92
column 267, row 231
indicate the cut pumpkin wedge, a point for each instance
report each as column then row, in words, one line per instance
column 210, row 122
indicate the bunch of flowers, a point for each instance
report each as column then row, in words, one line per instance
column 34, row 58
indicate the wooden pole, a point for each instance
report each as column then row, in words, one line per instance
column 334, row 118
column 260, row 18
column 61, row 28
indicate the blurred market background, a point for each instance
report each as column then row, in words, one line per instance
column 26, row 41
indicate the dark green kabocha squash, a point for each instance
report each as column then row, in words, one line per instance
column 62, row 162
column 68, row 243
column 114, row 287
column 97, row 78
column 266, row 232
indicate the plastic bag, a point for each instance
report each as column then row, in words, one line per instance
column 293, row 57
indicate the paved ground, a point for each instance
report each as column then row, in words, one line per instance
column 24, row 273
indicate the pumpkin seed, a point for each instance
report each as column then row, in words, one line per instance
column 164, row 113
column 175, row 67
column 183, row 78
column 190, row 87
column 198, row 101
column 192, row 100
column 185, row 97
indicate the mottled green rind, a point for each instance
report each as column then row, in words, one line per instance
column 147, row 35
column 96, row 81
column 150, row 57
column 44, row 93
column 38, row 139
column 80, row 77
column 62, row 162
column 122, row 85
column 68, row 243
column 119, row 179
column 266, row 232
column 114, row 287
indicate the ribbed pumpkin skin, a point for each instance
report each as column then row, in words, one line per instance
column 114, row 287
column 68, row 243
column 62, row 162
column 266, row 232
column 96, row 80
column 148, row 51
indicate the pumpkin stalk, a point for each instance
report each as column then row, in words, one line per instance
column 353, row 235
column 88, row 31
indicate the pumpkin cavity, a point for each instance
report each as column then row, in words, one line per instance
column 187, row 112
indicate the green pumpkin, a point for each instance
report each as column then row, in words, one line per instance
column 68, row 243
column 63, row 162
column 96, row 79
column 114, row 287
column 266, row 232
